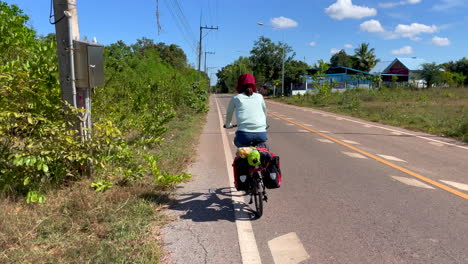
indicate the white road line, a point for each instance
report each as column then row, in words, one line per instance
column 289, row 124
column 290, row 118
column 339, row 118
column 354, row 155
column 288, row 249
column 461, row 186
column 324, row 131
column 392, row 158
column 323, row 140
column 436, row 144
column 390, row 129
column 303, row 131
column 397, row 133
column 307, row 125
column 248, row 245
column 412, row 182
column 351, row 142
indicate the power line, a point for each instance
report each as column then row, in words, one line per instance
column 181, row 23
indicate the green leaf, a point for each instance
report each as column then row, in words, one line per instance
column 26, row 181
column 45, row 168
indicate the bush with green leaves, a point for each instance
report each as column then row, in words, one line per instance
column 38, row 147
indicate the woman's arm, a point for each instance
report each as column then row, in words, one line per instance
column 264, row 107
column 229, row 112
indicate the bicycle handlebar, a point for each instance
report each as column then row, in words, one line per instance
column 224, row 126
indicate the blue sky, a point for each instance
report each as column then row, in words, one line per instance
column 435, row 30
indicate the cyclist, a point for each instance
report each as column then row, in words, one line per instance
column 250, row 111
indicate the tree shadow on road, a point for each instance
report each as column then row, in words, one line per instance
column 214, row 205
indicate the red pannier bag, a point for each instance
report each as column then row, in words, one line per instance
column 241, row 173
column 272, row 177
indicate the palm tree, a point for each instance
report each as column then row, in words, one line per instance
column 364, row 58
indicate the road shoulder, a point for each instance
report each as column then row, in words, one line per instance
column 204, row 230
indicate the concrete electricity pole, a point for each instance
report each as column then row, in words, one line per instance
column 200, row 47
column 207, row 52
column 67, row 30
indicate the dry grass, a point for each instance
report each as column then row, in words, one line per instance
column 78, row 225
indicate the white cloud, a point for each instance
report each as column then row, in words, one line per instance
column 411, row 31
column 372, row 26
column 283, row 22
column 448, row 4
column 404, row 50
column 345, row 9
column 313, row 44
column 438, row 41
column 348, row 46
column 393, row 4
column 389, row 4
column 334, row 51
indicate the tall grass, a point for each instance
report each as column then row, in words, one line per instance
column 439, row 111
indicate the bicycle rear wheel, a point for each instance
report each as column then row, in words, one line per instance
column 258, row 197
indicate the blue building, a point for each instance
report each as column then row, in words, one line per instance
column 342, row 77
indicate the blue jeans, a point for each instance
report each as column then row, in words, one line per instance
column 247, row 139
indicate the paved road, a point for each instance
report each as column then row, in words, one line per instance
column 354, row 192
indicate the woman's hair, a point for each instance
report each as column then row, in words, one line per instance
column 247, row 89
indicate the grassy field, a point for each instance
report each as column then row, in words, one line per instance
column 439, row 111
column 78, row 225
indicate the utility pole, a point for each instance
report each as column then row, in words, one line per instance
column 200, row 47
column 67, row 31
column 207, row 52
column 282, row 73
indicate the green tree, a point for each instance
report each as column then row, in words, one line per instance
column 460, row 66
column 452, row 79
column 364, row 58
column 227, row 76
column 294, row 72
column 341, row 59
column 267, row 57
column 431, row 74
column 322, row 66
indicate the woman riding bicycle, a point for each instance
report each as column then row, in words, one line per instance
column 250, row 113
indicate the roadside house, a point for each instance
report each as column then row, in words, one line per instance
column 402, row 70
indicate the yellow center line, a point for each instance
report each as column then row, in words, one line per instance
column 414, row 174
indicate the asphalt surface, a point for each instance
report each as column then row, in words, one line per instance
column 353, row 192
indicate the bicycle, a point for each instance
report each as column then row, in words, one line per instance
column 256, row 187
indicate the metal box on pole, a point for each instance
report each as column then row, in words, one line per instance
column 89, row 64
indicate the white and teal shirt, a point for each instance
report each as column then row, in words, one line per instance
column 250, row 112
